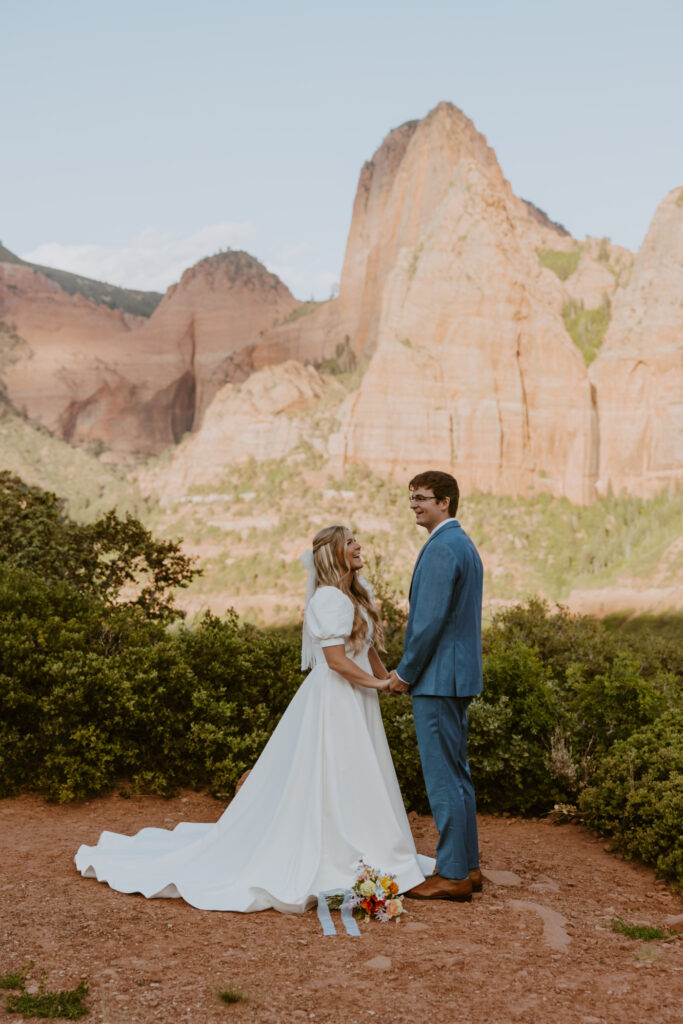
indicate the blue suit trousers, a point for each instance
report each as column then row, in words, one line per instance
column 441, row 727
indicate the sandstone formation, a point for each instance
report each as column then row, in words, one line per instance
column 472, row 368
column 85, row 371
column 447, row 304
column 54, row 346
column 602, row 269
column 638, row 374
column 260, row 419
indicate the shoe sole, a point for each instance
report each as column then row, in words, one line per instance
column 476, row 886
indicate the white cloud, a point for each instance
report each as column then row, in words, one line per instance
column 156, row 259
column 152, row 261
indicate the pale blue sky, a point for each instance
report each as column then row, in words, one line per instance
column 139, row 136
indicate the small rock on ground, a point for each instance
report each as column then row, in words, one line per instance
column 379, row 963
column 501, row 877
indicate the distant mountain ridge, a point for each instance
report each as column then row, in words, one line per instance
column 472, row 322
column 128, row 300
column 88, row 372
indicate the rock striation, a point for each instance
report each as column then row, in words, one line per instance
column 471, row 367
column 638, row 373
column 263, row 418
column 87, row 372
column 455, row 301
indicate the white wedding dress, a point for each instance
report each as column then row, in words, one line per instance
column 322, row 795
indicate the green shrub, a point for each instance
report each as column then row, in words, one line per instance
column 561, row 638
column 655, row 639
column 606, row 686
column 91, row 694
column 103, row 558
column 610, row 706
column 637, row 795
column 511, row 725
column 586, row 327
column 561, row 263
column 397, row 715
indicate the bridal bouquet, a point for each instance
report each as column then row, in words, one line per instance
column 375, row 894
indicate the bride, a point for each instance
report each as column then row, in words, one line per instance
column 323, row 793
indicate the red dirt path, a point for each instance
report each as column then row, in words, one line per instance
column 488, row 962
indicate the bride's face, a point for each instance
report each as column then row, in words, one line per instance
column 353, row 557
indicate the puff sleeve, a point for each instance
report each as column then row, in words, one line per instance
column 329, row 616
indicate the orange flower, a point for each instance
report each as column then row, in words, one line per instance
column 393, row 888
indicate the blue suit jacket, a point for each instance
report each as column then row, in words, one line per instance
column 442, row 647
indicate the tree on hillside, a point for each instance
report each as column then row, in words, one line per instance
column 117, row 560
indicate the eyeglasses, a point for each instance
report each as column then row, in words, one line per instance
column 419, row 499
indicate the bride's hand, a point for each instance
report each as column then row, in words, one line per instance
column 396, row 685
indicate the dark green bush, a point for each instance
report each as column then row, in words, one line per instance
column 610, row 706
column 605, row 685
column 94, row 692
column 563, row 640
column 104, row 558
column 397, row 714
column 90, row 694
column 511, row 725
column 637, row 795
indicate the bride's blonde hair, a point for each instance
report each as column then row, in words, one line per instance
column 333, row 570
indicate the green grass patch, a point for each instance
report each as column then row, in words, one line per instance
column 232, row 995
column 67, row 1004
column 15, row 979
column 641, row 932
column 586, row 327
column 563, row 264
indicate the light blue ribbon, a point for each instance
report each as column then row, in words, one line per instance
column 347, row 917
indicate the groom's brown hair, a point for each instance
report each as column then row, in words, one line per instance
column 442, row 484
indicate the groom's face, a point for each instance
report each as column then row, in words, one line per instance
column 427, row 509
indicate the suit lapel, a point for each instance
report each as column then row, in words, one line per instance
column 446, row 526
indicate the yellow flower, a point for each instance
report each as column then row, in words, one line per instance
column 367, row 888
column 386, row 884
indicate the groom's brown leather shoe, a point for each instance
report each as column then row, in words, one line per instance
column 437, row 888
column 477, row 880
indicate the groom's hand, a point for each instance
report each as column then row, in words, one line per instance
column 396, row 685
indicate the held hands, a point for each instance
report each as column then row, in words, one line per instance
column 396, row 685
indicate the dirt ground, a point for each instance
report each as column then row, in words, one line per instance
column 536, row 946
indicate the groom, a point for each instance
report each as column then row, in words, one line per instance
column 441, row 669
